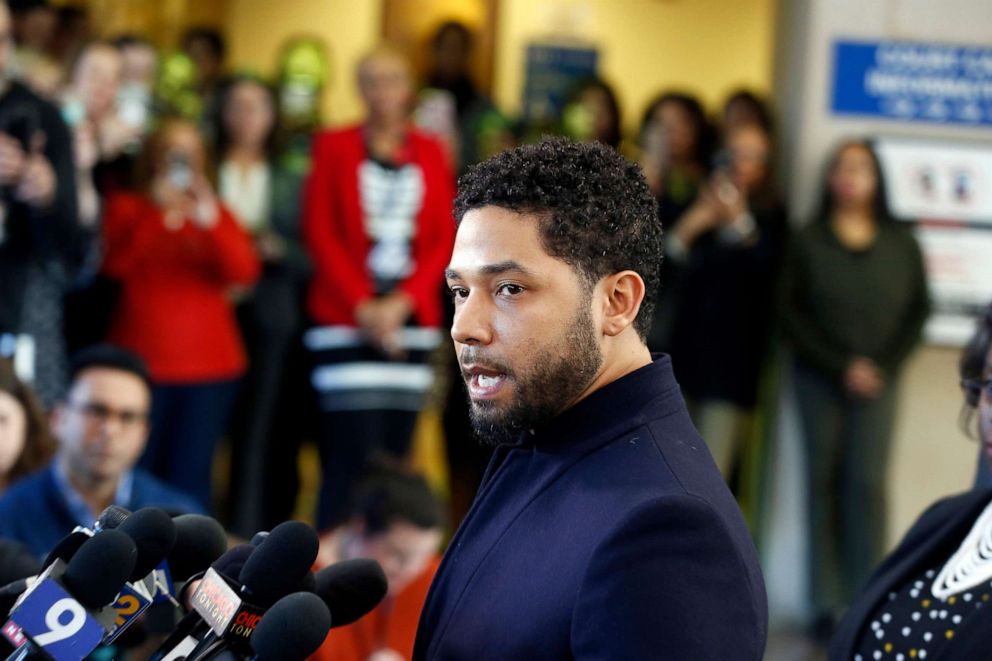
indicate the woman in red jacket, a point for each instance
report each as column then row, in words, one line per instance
column 180, row 255
column 378, row 225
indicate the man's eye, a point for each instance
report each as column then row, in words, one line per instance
column 509, row 290
column 457, row 293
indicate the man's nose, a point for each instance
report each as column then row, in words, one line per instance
column 473, row 321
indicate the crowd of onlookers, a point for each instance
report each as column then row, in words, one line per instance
column 265, row 281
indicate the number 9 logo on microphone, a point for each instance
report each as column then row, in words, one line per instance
column 57, row 623
column 57, row 629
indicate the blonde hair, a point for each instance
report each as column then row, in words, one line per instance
column 384, row 51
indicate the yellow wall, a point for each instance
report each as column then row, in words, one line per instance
column 705, row 46
column 257, row 28
column 708, row 47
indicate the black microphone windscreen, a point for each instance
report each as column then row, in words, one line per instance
column 292, row 629
column 309, row 583
column 199, row 541
column 66, row 548
column 259, row 537
column 100, row 568
column 154, row 534
column 279, row 564
column 233, row 561
column 112, row 517
column 351, row 588
column 16, row 562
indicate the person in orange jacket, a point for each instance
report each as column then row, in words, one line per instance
column 396, row 521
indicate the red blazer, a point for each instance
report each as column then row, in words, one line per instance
column 174, row 309
column 334, row 229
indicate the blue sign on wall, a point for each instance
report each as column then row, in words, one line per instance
column 551, row 73
column 913, row 82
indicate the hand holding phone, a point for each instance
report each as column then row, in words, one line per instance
column 38, row 184
column 12, row 160
column 179, row 171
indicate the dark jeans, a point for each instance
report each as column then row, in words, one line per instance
column 348, row 439
column 186, row 422
column 847, row 459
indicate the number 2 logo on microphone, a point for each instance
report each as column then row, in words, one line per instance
column 126, row 606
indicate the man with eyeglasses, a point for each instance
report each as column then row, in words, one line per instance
column 101, row 427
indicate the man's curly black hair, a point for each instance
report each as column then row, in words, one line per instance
column 596, row 211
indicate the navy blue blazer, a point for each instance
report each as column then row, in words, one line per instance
column 931, row 541
column 607, row 534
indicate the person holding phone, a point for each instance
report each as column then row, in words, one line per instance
column 179, row 254
column 723, row 254
column 40, row 242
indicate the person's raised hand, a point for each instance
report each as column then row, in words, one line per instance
column 37, row 185
column 12, row 160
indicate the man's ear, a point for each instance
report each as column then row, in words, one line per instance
column 623, row 293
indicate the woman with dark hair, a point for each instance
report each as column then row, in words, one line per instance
column 264, row 193
column 25, row 445
column 745, row 107
column 930, row 598
column 675, row 142
column 675, row 151
column 853, row 303
column 180, row 255
column 593, row 113
column 723, row 255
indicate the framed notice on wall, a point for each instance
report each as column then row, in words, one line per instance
column 945, row 189
column 552, row 71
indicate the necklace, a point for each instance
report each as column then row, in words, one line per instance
column 971, row 564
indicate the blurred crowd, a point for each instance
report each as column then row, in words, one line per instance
column 194, row 232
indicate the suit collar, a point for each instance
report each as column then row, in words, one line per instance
column 604, row 413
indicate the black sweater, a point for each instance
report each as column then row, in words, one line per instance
column 31, row 235
column 838, row 303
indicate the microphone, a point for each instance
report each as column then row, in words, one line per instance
column 154, row 535
column 17, row 568
column 293, row 629
column 278, row 566
column 80, row 590
column 351, row 589
column 96, row 573
column 292, row 547
column 232, row 563
column 111, row 517
column 66, row 548
column 199, row 541
column 190, row 631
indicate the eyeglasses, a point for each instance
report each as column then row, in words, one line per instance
column 101, row 413
column 977, row 387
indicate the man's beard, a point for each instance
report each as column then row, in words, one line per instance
column 544, row 391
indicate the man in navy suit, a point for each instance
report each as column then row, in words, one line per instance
column 602, row 529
